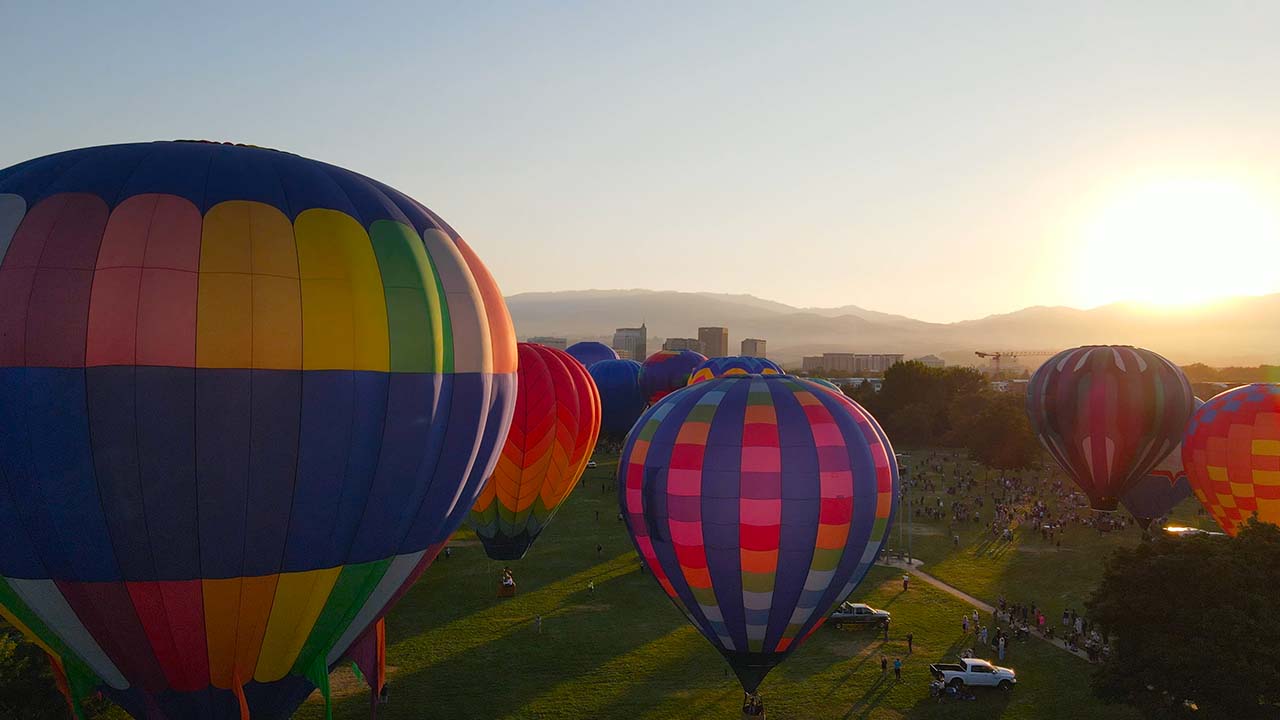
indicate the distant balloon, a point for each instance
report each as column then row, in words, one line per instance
column 759, row 502
column 589, row 353
column 621, row 399
column 245, row 398
column 667, row 371
column 557, row 420
column 733, row 365
column 826, row 384
column 1232, row 454
column 1157, row 494
column 1108, row 414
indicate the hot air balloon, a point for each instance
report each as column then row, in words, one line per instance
column 759, row 502
column 1157, row 494
column 589, row 353
column 621, row 400
column 667, row 371
column 1108, row 414
column 1231, row 451
column 557, row 420
column 245, row 399
column 733, row 365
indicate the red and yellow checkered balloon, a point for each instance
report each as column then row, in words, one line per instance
column 1231, row 451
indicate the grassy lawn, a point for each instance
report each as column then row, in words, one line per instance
column 455, row 651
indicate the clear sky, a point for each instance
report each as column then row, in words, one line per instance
column 942, row 160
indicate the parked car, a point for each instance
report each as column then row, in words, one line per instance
column 974, row 672
column 591, row 463
column 858, row 614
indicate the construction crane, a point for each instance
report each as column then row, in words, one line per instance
column 999, row 355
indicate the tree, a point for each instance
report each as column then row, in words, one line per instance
column 1194, row 622
column 995, row 429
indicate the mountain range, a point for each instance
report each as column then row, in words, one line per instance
column 1235, row 331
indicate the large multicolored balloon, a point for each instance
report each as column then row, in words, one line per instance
column 589, row 353
column 733, row 365
column 1162, row 489
column 759, row 502
column 1108, row 414
column 245, row 399
column 557, row 420
column 1232, row 454
column 621, row 400
column 667, row 371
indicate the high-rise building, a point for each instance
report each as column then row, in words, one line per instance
column 682, row 344
column 714, row 341
column 553, row 342
column 753, row 347
column 632, row 340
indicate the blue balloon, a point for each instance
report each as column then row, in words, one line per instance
column 589, row 353
column 621, row 400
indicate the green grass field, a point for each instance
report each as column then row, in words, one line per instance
column 623, row 651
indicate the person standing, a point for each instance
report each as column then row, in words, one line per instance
column 537, row 624
column 910, row 639
column 964, row 624
column 897, row 668
column 1000, row 648
column 884, row 665
column 886, row 631
column 905, row 580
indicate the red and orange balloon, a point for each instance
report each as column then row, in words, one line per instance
column 1231, row 452
column 557, row 422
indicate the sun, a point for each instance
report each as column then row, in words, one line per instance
column 1180, row 241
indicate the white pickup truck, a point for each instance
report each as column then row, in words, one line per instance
column 974, row 672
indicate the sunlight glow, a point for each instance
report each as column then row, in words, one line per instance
column 1182, row 241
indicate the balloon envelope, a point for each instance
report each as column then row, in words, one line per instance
column 1160, row 491
column 1108, row 414
column 759, row 502
column 1231, row 451
column 621, row 400
column 667, row 371
column 557, row 420
column 245, row 398
column 733, row 365
column 590, row 353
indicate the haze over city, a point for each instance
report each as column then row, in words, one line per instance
column 942, row 162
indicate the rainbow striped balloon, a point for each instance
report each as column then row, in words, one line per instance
column 246, row 397
column 557, row 421
column 759, row 502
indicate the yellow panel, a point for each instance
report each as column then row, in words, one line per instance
column 1266, row 447
column 1266, row 477
column 1216, row 473
column 223, row 337
column 235, row 617
column 225, row 238
column 299, row 598
column 274, row 252
column 344, row 311
column 277, row 323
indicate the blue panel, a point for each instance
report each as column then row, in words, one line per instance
column 60, row 495
column 720, row 493
column 19, row 558
column 328, row 399
column 406, row 440
column 245, row 174
column 345, row 409
column 502, row 397
column 370, row 202
column 462, row 406
column 222, row 462
column 174, row 169
column 417, row 214
column 273, row 459
column 101, row 171
column 307, row 186
column 167, row 450
column 113, row 425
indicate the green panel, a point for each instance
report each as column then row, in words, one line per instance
column 758, row 582
column 349, row 594
column 416, row 308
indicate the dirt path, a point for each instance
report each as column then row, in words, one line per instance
column 974, row 602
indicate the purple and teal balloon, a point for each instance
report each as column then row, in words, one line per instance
column 667, row 371
column 733, row 365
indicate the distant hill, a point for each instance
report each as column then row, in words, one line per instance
column 1239, row 331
